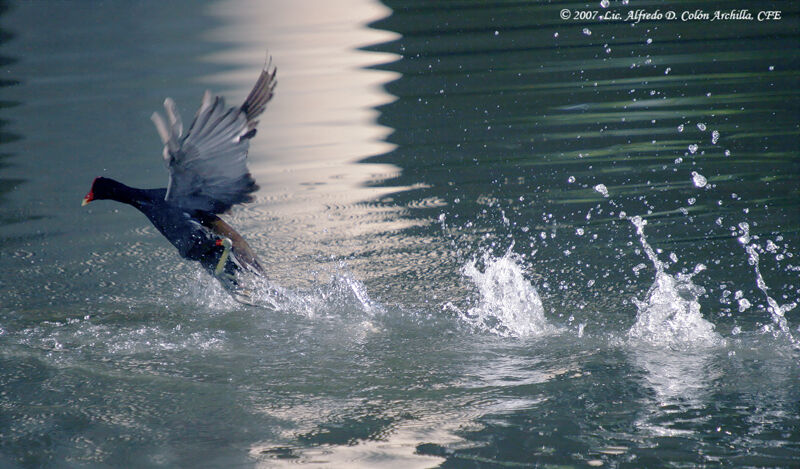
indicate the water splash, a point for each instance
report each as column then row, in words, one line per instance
column 200, row 288
column 509, row 304
column 342, row 295
column 776, row 311
column 345, row 292
column 670, row 314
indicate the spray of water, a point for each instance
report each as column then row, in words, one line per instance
column 776, row 311
column 669, row 316
column 342, row 295
column 508, row 305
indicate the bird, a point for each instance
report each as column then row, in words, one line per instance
column 208, row 175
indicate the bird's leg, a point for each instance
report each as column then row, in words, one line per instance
column 227, row 277
column 223, row 258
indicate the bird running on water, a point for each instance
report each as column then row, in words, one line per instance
column 207, row 176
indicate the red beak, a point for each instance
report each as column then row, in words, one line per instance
column 88, row 198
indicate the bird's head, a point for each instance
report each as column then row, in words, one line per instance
column 102, row 188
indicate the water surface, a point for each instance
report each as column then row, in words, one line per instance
column 495, row 238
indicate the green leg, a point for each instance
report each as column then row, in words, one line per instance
column 226, row 245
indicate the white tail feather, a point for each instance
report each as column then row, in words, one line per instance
column 161, row 127
column 174, row 117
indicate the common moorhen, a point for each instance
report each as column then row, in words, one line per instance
column 207, row 175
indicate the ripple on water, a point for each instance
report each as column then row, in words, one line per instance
column 102, row 336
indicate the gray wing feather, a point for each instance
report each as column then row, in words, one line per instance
column 208, row 165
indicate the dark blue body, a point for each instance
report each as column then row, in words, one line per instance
column 182, row 228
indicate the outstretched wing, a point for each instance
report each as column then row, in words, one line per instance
column 208, row 165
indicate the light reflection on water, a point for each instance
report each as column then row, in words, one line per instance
column 321, row 122
column 680, row 382
column 324, row 117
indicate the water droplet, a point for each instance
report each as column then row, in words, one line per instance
column 680, row 128
column 698, row 179
column 693, row 148
column 649, row 40
column 497, row 33
column 771, row 68
column 602, row 189
column 555, row 34
column 701, row 126
column 744, row 227
column 691, row 201
column 744, row 305
column 666, row 72
column 727, row 153
column 715, row 137
column 571, row 179
column 587, row 32
column 604, row 3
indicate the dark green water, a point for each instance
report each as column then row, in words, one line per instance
column 449, row 213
